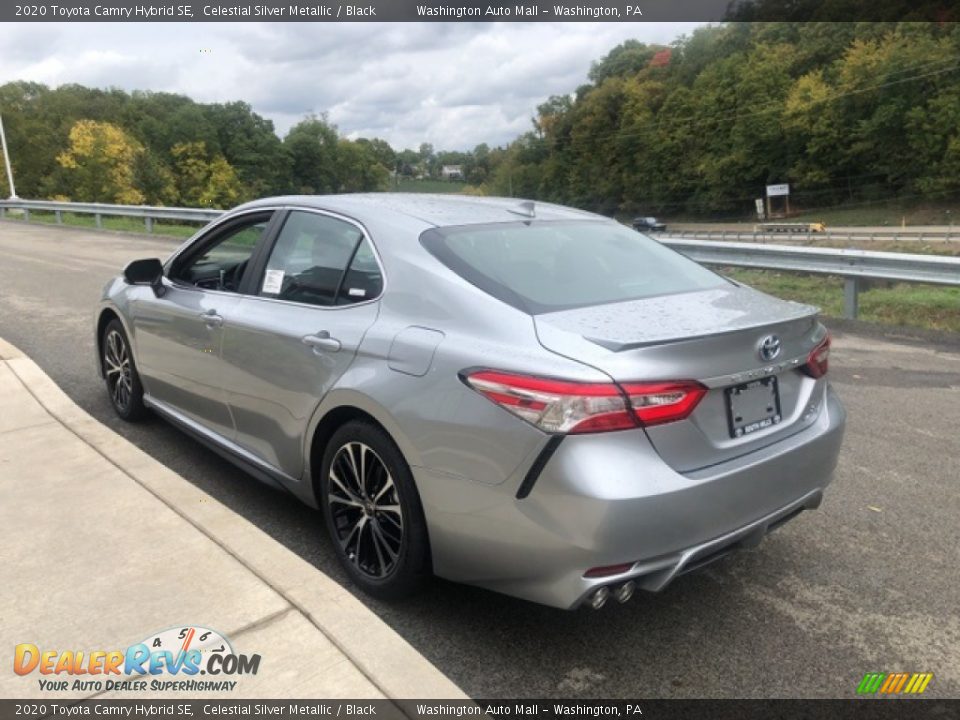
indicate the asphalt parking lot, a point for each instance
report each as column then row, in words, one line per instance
column 868, row 583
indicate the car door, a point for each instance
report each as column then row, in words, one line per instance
column 178, row 334
column 286, row 344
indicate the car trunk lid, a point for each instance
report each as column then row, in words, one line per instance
column 712, row 336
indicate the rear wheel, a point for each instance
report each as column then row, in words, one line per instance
column 120, row 373
column 373, row 513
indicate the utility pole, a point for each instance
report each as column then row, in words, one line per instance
column 6, row 160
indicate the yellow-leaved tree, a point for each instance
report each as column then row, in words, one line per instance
column 100, row 163
column 204, row 179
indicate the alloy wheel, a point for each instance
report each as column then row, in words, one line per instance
column 119, row 372
column 365, row 509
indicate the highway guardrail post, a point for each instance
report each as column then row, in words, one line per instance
column 98, row 220
column 851, row 291
column 59, row 215
column 26, row 215
column 148, row 221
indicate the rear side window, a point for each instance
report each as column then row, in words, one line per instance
column 542, row 267
column 320, row 260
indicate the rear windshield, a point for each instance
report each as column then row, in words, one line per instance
column 542, row 267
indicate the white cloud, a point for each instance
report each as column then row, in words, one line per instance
column 454, row 85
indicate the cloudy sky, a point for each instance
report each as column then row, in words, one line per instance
column 453, row 85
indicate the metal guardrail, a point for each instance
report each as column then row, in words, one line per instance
column 852, row 265
column 149, row 213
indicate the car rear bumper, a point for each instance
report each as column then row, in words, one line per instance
column 609, row 499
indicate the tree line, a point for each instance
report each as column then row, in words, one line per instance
column 91, row 145
column 846, row 113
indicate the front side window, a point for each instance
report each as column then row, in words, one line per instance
column 320, row 260
column 546, row 266
column 221, row 264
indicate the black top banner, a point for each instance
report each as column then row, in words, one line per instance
column 472, row 11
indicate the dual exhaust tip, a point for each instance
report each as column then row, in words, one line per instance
column 621, row 593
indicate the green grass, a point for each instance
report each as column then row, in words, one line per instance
column 905, row 304
column 885, row 214
column 412, row 185
column 120, row 224
column 874, row 214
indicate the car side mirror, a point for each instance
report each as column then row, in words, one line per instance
column 146, row 272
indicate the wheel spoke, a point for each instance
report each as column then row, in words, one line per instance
column 357, row 530
column 387, row 485
column 363, row 470
column 376, row 546
column 118, row 390
column 345, row 501
column 382, row 539
column 353, row 468
column 354, row 500
column 395, row 520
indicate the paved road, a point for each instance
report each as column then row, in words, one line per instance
column 867, row 583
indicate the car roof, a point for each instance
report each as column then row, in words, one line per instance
column 433, row 210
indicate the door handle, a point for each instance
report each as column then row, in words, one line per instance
column 211, row 318
column 322, row 341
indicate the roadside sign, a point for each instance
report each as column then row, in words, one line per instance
column 778, row 190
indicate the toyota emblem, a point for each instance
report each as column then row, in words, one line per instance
column 769, row 347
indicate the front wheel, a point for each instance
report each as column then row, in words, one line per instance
column 373, row 512
column 120, row 373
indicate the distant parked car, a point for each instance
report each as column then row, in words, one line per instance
column 648, row 224
column 521, row 396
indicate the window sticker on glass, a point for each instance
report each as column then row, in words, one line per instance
column 273, row 282
column 357, row 292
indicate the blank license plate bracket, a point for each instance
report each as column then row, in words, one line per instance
column 753, row 406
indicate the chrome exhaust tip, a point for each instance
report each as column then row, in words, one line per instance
column 599, row 598
column 625, row 591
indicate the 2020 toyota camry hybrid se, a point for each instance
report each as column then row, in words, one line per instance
column 521, row 396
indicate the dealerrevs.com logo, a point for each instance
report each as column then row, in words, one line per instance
column 170, row 660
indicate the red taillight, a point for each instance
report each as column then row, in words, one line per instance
column 562, row 406
column 656, row 403
column 556, row 406
column 819, row 359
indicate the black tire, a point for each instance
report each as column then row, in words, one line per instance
column 376, row 526
column 120, row 373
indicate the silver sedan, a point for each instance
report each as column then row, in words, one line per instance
column 516, row 395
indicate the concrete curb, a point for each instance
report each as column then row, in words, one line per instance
column 379, row 653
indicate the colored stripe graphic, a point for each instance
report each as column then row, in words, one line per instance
column 923, row 679
column 894, row 683
column 871, row 683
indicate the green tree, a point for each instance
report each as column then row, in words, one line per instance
column 204, row 179
column 311, row 145
column 359, row 169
